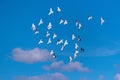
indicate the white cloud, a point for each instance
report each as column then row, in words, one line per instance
column 117, row 76
column 69, row 67
column 101, row 51
column 54, row 76
column 31, row 56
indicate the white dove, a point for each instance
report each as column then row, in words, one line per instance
column 76, row 46
column 33, row 27
column 49, row 41
column 79, row 26
column 51, row 52
column 47, row 34
column 59, row 41
column 49, row 26
column 40, row 22
column 50, row 12
column 102, row 21
column 70, row 58
column 36, row 32
column 77, row 22
column 62, row 48
column 40, row 42
column 73, row 36
column 90, row 18
column 75, row 54
column 54, row 35
column 65, row 43
column 61, row 21
column 58, row 9
column 65, row 22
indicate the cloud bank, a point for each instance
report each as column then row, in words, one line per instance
column 54, row 76
column 31, row 56
column 69, row 67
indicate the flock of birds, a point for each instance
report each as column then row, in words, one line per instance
column 62, row 42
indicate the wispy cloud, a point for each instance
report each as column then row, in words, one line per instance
column 102, row 51
column 54, row 76
column 69, row 67
column 117, row 76
column 31, row 56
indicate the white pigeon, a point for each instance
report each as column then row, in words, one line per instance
column 102, row 21
column 58, row 9
column 75, row 54
column 70, row 58
column 33, row 27
column 76, row 51
column 73, row 36
column 62, row 48
column 54, row 35
column 40, row 22
column 49, row 41
column 47, row 34
column 54, row 56
column 60, row 42
column 61, row 21
column 77, row 23
column 65, row 43
column 40, row 42
column 90, row 18
column 65, row 22
column 76, row 46
column 51, row 52
column 79, row 39
column 79, row 26
column 36, row 32
column 50, row 12
column 49, row 26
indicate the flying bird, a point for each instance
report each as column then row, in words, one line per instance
column 54, row 35
column 47, row 34
column 40, row 41
column 70, row 58
column 61, row 21
column 65, row 22
column 54, row 56
column 65, row 43
column 82, row 50
column 62, row 48
column 79, row 26
column 33, row 27
column 51, row 52
column 75, row 54
column 49, row 26
column 79, row 39
column 59, row 41
column 49, row 41
column 50, row 12
column 102, row 21
column 40, row 22
column 77, row 23
column 58, row 9
column 73, row 37
column 36, row 31
column 90, row 18
column 76, row 46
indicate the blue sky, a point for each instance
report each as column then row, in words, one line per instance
column 100, row 61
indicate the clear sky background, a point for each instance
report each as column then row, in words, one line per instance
column 21, row 58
